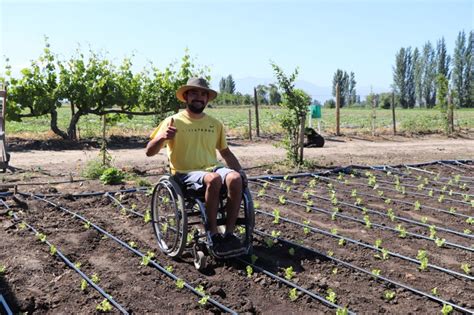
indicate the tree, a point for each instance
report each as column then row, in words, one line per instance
column 222, row 88
column 469, row 71
column 459, row 70
column 274, row 95
column 418, row 76
column 442, row 95
column 442, row 59
column 262, row 91
column 429, row 75
column 410, row 79
column 229, row 85
column 296, row 103
column 341, row 78
column 352, row 90
column 400, row 77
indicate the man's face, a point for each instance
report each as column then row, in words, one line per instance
column 196, row 100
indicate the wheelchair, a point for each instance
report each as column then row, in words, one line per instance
column 180, row 222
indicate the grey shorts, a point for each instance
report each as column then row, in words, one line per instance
column 195, row 180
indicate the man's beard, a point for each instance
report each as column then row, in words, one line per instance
column 196, row 110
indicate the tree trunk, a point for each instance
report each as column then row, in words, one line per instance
column 71, row 130
column 54, row 125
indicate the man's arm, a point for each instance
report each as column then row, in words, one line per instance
column 155, row 145
column 233, row 163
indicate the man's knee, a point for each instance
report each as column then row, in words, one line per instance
column 234, row 180
column 213, row 181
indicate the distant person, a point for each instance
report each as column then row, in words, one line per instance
column 192, row 138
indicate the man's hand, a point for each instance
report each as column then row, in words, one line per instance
column 169, row 132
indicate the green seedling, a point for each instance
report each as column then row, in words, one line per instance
column 440, row 198
column 388, row 295
column 169, row 268
column 368, row 224
column 305, row 195
column 470, row 220
column 203, row 300
column 41, row 237
column 104, row 306
column 294, row 181
column 249, row 270
column 253, row 258
column 420, row 186
column 261, row 192
column 269, row 242
column 358, row 201
column 288, row 189
column 83, row 284
column 330, row 253
column 447, row 309
column 423, row 258
column 95, row 278
column 376, row 272
column 388, row 201
column 434, row 291
column 306, row 229
column 256, row 205
column 293, row 294
column 241, row 230
column 342, row 311
column 467, row 231
column 286, row 177
column 334, row 271
column 378, row 242
column 289, row 273
column 309, row 203
column 3, row 268
column 179, row 283
column 78, row 265
column 341, row 242
column 430, row 193
column 22, row 225
column 276, row 216
column 417, row 205
column 440, row 242
column 334, row 231
column 331, row 295
column 147, row 258
column 52, row 250
column 340, row 176
column 330, row 186
column 384, row 254
column 281, row 199
column 312, row 183
column 391, row 214
column 432, row 230
column 132, row 244
column 354, row 193
column 87, row 225
column 380, row 193
column 424, row 219
column 265, row 185
column 402, row 231
column 466, row 268
column 291, row 251
column 364, row 210
column 200, row 289
column 147, row 216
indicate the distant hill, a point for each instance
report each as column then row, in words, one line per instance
column 321, row 93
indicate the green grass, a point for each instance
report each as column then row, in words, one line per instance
column 353, row 121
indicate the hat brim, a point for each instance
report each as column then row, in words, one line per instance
column 184, row 88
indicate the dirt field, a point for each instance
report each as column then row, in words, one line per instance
column 352, row 240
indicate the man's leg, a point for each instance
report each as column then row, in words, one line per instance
column 213, row 183
column 233, row 181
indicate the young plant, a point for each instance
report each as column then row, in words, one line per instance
column 276, row 216
column 391, row 214
column 146, row 259
column 447, row 309
column 466, row 268
column 342, row 311
column 368, row 224
column 423, row 258
column 276, row 234
column 378, row 242
column 289, row 273
column 169, row 268
column 95, row 278
column 440, row 198
column 334, row 231
column 52, row 250
column 402, row 231
column 132, row 244
column 180, row 283
column 341, row 242
column 147, row 216
column 354, row 193
column 376, row 272
column 358, row 201
column 388, row 295
column 434, row 291
column 249, row 270
column 253, row 259
column 83, row 284
column 331, row 295
column 306, row 229
column 203, row 300
column 104, row 306
column 424, row 219
column 312, row 183
column 417, row 205
column 291, row 251
column 261, row 192
column 432, row 230
column 440, row 241
column 3, row 268
column 41, row 237
column 334, row 271
column 293, row 294
column 384, row 254
column 281, row 199
column 241, row 230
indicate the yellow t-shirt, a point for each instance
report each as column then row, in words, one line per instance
column 194, row 145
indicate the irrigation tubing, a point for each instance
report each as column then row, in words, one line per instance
column 70, row 264
column 428, row 188
column 5, row 305
column 122, row 206
column 448, row 271
column 268, row 273
column 433, row 173
column 380, row 226
column 349, row 265
column 135, row 251
column 292, row 284
column 407, row 202
column 403, row 219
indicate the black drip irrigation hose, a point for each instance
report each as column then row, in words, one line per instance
column 380, row 226
column 268, row 273
column 135, row 251
column 454, row 168
column 94, row 193
column 293, row 285
column 5, row 305
column 433, row 173
column 352, row 266
column 425, row 188
column 400, row 218
column 435, row 267
column 122, row 206
column 69, row 263
column 403, row 219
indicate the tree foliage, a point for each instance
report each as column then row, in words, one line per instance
column 347, row 84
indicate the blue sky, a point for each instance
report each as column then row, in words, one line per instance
column 238, row 37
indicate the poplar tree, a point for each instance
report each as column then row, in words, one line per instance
column 459, row 66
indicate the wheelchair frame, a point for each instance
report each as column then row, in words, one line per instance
column 175, row 212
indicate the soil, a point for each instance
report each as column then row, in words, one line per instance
column 37, row 282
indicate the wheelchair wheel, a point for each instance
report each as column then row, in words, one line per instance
column 200, row 258
column 169, row 216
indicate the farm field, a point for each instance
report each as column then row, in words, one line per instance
column 353, row 121
column 360, row 240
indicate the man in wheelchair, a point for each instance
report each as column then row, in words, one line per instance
column 191, row 138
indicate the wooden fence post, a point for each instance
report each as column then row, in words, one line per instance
column 374, row 116
column 302, row 125
column 338, row 105
column 250, row 124
column 393, row 115
column 257, row 121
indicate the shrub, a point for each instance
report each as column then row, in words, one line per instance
column 94, row 169
column 112, row 176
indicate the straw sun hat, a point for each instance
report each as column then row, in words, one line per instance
column 195, row 83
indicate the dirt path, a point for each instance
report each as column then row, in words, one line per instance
column 344, row 151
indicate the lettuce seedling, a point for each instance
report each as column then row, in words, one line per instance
column 261, row 192
column 179, row 283
column 203, row 300
column 378, row 242
column 253, row 258
column 52, row 250
column 104, row 306
column 447, row 309
column 293, row 295
column 169, row 268
column 466, row 268
column 391, row 214
column 342, row 311
column 289, row 273
column 440, row 241
column 331, row 295
column 368, row 224
column 276, row 214
column 312, row 183
column 354, row 193
column 417, row 205
column 306, row 229
column 432, row 230
column 334, row 271
column 334, row 231
column 376, row 272
column 424, row 219
column 147, row 216
column 41, row 237
column 434, row 291
column 22, row 225
column 132, row 244
column 83, row 284
column 95, row 278
column 388, row 295
column 3, row 268
column 281, row 199
column 402, row 231
column 341, row 242
column 249, row 270
column 291, row 251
